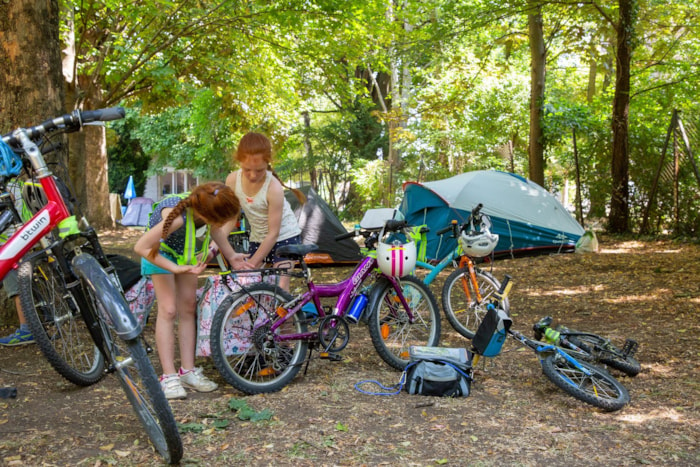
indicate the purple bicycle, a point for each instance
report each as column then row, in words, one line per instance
column 260, row 336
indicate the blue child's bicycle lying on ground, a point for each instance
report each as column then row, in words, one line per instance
column 571, row 370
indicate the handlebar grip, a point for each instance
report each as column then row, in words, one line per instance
column 448, row 228
column 504, row 284
column 102, row 115
column 344, row 236
column 475, row 211
column 394, row 225
column 443, row 231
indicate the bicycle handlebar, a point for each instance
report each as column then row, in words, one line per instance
column 73, row 121
column 390, row 225
column 344, row 236
column 447, row 229
column 394, row 225
column 474, row 216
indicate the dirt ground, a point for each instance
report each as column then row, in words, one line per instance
column 646, row 290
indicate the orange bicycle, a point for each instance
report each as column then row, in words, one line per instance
column 468, row 289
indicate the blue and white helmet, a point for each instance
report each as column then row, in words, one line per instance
column 478, row 243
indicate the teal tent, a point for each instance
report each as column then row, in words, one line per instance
column 527, row 218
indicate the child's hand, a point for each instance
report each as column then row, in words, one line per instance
column 240, row 262
column 187, row 269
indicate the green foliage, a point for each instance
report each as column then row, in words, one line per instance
column 452, row 78
column 245, row 412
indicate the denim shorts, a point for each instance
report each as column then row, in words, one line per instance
column 10, row 283
column 272, row 257
column 148, row 268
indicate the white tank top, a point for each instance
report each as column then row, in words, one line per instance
column 256, row 207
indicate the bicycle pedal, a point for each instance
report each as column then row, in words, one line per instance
column 630, row 348
column 334, row 357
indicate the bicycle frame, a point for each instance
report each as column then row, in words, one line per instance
column 464, row 262
column 54, row 214
column 345, row 290
column 541, row 349
column 45, row 220
column 435, row 270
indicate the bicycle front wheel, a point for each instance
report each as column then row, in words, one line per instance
column 249, row 355
column 56, row 323
column 389, row 327
column 460, row 303
column 129, row 361
column 597, row 388
column 606, row 353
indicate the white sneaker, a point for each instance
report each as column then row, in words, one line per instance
column 172, row 388
column 194, row 379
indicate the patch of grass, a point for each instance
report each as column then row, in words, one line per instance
column 300, row 450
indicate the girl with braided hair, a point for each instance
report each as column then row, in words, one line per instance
column 169, row 257
column 271, row 219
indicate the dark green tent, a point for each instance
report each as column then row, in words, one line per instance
column 320, row 225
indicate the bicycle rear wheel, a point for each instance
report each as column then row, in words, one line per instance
column 56, row 323
column 130, row 363
column 606, row 353
column 389, row 327
column 249, row 356
column 597, row 388
column 465, row 313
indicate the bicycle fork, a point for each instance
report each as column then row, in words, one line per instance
column 472, row 279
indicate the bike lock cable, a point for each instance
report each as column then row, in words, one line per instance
column 10, row 162
column 396, row 388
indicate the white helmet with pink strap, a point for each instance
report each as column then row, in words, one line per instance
column 396, row 258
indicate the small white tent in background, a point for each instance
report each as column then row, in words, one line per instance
column 528, row 219
column 137, row 212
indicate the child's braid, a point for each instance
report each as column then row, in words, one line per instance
column 176, row 211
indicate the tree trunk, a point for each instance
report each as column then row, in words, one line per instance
column 618, row 221
column 30, row 76
column 592, row 74
column 87, row 161
column 537, row 85
column 30, row 71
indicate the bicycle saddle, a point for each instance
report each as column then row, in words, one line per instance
column 296, row 252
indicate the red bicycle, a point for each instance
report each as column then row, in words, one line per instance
column 69, row 291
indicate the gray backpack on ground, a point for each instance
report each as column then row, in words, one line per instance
column 438, row 371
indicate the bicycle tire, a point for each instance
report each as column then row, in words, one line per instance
column 55, row 321
column 242, row 352
column 391, row 333
column 465, row 315
column 599, row 389
column 129, row 361
column 606, row 353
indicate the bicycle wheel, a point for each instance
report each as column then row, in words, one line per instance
column 130, row 363
column 56, row 323
column 598, row 388
column 465, row 313
column 606, row 353
column 249, row 356
column 389, row 327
